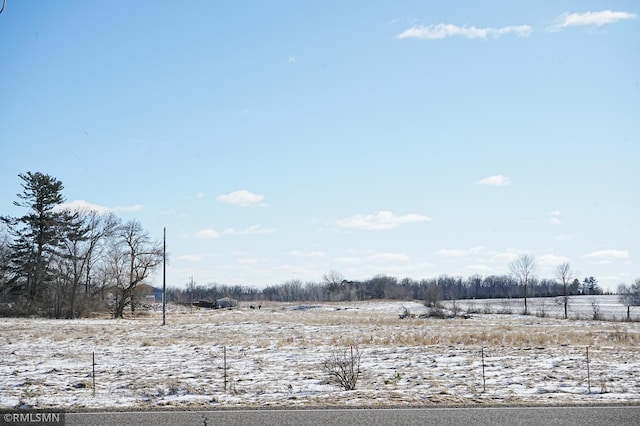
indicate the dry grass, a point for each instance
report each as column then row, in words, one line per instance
column 316, row 327
column 288, row 344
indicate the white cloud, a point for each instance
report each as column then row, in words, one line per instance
column 440, row 31
column 551, row 260
column 380, row 220
column 591, row 19
column 554, row 218
column 461, row 252
column 507, row 256
column 348, row 260
column 200, row 194
column 250, row 260
column 241, row 198
column 607, row 256
column 211, row 234
column 477, row 268
column 82, row 205
column 299, row 253
column 497, row 180
column 126, row 209
column 299, row 271
column 389, row 257
column 208, row 234
column 190, row 258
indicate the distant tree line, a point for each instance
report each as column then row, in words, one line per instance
column 64, row 263
column 67, row 263
column 334, row 287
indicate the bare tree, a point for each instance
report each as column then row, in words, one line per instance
column 433, row 294
column 133, row 258
column 629, row 296
column 344, row 367
column 522, row 268
column 83, row 240
column 334, row 282
column 291, row 290
column 564, row 274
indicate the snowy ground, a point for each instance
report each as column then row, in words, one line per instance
column 274, row 357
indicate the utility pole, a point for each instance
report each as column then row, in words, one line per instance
column 164, row 276
column 191, row 294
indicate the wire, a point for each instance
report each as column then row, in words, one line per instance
column 4, row 2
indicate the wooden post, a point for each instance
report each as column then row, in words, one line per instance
column 484, row 383
column 225, row 368
column 588, row 372
column 94, row 372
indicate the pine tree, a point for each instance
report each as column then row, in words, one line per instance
column 36, row 236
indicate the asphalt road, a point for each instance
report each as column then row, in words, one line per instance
column 546, row 416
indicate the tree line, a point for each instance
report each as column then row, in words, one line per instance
column 334, row 287
column 520, row 283
column 65, row 263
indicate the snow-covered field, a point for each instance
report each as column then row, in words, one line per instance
column 274, row 356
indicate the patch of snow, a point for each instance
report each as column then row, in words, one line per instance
column 274, row 356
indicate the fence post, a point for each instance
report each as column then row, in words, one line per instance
column 484, row 383
column 225, row 368
column 93, row 356
column 588, row 372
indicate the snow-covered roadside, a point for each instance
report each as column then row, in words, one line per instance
column 274, row 359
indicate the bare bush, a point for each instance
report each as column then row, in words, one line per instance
column 505, row 308
column 406, row 314
column 344, row 367
column 439, row 313
column 542, row 311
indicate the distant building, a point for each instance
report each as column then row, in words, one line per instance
column 145, row 293
column 226, row 302
column 157, row 294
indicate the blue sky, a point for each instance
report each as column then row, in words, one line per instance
column 282, row 140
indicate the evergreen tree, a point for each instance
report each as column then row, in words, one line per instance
column 36, row 236
column 590, row 285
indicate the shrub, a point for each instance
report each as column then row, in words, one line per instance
column 344, row 367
